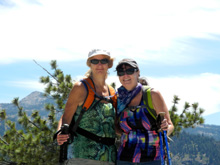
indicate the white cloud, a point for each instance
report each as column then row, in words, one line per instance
column 203, row 89
column 67, row 30
column 27, row 84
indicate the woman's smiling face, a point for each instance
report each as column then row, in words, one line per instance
column 129, row 81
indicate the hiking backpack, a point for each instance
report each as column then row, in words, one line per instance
column 146, row 92
column 90, row 97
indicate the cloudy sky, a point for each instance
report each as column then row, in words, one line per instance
column 175, row 42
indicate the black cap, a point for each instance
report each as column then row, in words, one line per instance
column 128, row 61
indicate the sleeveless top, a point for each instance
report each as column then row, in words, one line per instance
column 100, row 121
column 138, row 142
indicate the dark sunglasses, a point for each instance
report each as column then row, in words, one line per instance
column 96, row 61
column 129, row 71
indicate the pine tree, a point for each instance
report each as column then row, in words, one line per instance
column 187, row 118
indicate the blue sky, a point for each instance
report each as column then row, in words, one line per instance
column 175, row 42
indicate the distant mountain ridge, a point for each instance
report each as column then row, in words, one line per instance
column 34, row 101
column 213, row 119
column 212, row 131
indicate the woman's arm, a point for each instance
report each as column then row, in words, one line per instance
column 59, row 123
column 160, row 106
column 76, row 97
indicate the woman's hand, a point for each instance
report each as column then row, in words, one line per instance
column 61, row 138
column 164, row 125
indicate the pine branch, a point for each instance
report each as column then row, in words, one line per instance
column 16, row 103
column 33, row 123
column 3, row 140
column 47, row 71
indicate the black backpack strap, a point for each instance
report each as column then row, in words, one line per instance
column 94, row 137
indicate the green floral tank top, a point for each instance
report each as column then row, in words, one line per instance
column 100, row 121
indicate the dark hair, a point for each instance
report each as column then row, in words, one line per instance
column 143, row 81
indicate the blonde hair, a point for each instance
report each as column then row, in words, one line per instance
column 88, row 73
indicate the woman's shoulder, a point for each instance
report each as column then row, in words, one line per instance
column 78, row 84
column 78, row 89
column 155, row 93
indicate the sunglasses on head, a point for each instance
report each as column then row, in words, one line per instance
column 96, row 61
column 129, row 71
